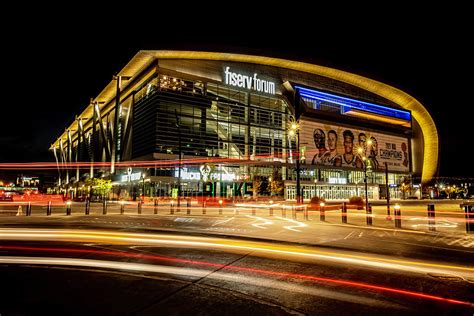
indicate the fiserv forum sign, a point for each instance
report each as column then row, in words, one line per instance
column 248, row 82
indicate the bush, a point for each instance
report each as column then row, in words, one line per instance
column 357, row 200
column 315, row 200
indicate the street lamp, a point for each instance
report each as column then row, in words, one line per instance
column 366, row 162
column 294, row 131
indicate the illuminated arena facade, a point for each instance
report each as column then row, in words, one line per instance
column 216, row 124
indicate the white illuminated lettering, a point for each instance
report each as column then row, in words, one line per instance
column 249, row 82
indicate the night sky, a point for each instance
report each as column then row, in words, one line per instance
column 52, row 70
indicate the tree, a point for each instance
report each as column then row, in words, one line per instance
column 276, row 184
column 100, row 187
column 256, row 185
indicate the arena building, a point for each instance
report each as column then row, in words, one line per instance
column 220, row 124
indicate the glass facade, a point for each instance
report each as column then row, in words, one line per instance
column 175, row 117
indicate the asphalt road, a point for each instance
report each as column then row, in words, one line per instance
column 228, row 265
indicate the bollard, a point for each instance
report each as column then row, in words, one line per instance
column 270, row 209
column 68, row 208
column 104, row 207
column 220, row 207
column 306, row 215
column 88, row 207
column 293, row 212
column 204, row 208
column 344, row 213
column 172, row 207
column 155, row 206
column 322, row 212
column 469, row 214
column 139, row 207
column 368, row 213
column 398, row 216
column 188, row 207
column 122, row 207
column 283, row 211
column 253, row 211
column 28, row 209
column 48, row 209
column 431, row 217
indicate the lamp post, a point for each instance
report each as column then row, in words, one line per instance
column 294, row 131
column 178, row 125
column 365, row 161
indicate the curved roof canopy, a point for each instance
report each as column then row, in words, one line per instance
column 430, row 134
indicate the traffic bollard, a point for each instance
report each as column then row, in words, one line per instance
column 293, row 212
column 68, row 208
column 188, row 207
column 48, row 209
column 220, row 207
column 139, row 207
column 104, row 207
column 155, row 206
column 283, row 211
column 172, row 207
column 204, row 208
column 368, row 214
column 322, row 212
column 306, row 215
column 344, row 213
column 122, row 207
column 88, row 207
column 431, row 217
column 469, row 214
column 398, row 216
column 28, row 209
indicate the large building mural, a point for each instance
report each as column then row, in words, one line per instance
column 338, row 146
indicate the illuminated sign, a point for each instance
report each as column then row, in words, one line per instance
column 337, row 180
column 248, row 82
column 205, row 175
column 131, row 176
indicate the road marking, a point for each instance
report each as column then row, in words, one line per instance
column 350, row 234
column 258, row 225
column 222, row 221
column 293, row 227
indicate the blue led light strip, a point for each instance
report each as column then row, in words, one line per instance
column 347, row 104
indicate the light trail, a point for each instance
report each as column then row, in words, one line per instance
column 140, row 267
column 187, row 272
column 98, row 236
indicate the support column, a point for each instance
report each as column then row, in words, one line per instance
column 117, row 133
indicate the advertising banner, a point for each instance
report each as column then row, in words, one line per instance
column 332, row 145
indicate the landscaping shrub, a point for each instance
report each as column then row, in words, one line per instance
column 357, row 200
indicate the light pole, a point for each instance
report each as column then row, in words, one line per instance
column 294, row 131
column 178, row 125
column 365, row 161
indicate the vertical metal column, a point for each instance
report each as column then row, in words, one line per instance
column 431, row 217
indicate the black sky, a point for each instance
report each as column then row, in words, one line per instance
column 52, row 69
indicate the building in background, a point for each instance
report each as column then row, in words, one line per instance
column 216, row 124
